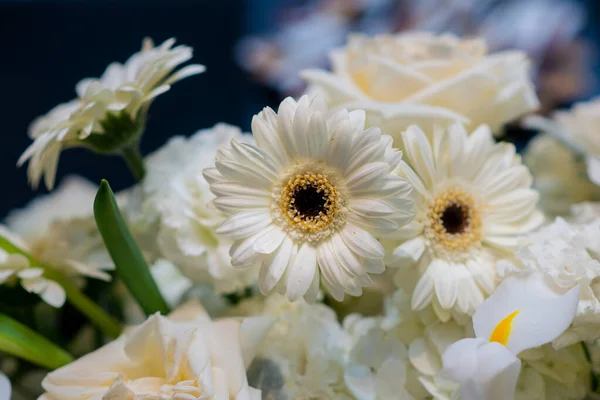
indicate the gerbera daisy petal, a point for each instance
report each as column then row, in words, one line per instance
column 274, row 266
column 315, row 191
column 302, row 272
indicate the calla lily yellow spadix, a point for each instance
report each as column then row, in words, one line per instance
column 524, row 312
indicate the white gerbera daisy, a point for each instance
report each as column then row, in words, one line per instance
column 308, row 200
column 109, row 113
column 473, row 197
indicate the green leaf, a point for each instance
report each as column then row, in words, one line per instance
column 131, row 265
column 18, row 340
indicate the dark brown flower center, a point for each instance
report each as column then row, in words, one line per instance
column 455, row 218
column 309, row 201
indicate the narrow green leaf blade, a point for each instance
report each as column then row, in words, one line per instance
column 18, row 340
column 125, row 253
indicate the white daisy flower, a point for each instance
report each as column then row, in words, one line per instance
column 309, row 198
column 473, row 198
column 65, row 238
column 176, row 195
column 109, row 113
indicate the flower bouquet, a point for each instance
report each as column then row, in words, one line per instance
column 375, row 239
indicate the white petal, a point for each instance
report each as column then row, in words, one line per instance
column 317, row 136
column 329, row 267
column 237, row 204
column 364, row 176
column 419, row 154
column 54, row 294
column 530, row 311
column 242, row 252
column 424, row 290
column 446, row 286
column 238, row 172
column 244, row 224
column 347, row 259
column 362, row 242
column 275, row 265
column 269, row 239
column 313, row 291
column 371, row 207
column 301, row 272
column 410, row 251
column 484, row 371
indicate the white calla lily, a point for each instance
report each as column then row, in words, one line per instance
column 524, row 312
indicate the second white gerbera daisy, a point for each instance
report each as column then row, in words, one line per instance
column 473, row 198
column 310, row 198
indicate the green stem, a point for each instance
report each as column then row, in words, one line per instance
column 134, row 161
column 95, row 313
column 588, row 356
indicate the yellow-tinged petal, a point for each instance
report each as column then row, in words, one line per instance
column 502, row 331
column 543, row 313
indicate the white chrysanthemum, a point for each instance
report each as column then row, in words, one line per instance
column 569, row 255
column 117, row 101
column 473, row 198
column 577, row 128
column 422, row 78
column 303, row 356
column 308, row 200
column 176, row 194
column 184, row 356
column 558, row 175
column 64, row 238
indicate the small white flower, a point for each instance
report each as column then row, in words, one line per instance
column 523, row 313
column 559, row 175
column 303, row 356
column 176, row 194
column 183, row 356
column 569, row 256
column 65, row 238
column 309, row 198
column 112, row 105
column 473, row 198
column 421, row 78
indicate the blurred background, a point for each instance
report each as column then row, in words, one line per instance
column 253, row 50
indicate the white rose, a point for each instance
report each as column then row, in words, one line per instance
column 421, row 78
column 183, row 356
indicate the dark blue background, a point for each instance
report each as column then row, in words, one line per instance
column 47, row 47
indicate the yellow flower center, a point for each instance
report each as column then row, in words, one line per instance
column 310, row 202
column 453, row 222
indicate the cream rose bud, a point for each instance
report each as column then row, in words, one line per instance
column 183, row 356
column 421, row 78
